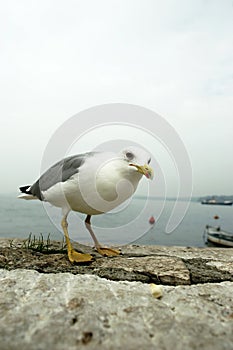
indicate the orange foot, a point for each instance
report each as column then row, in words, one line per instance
column 108, row 251
column 79, row 258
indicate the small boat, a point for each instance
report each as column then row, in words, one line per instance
column 219, row 237
column 216, row 202
column 152, row 220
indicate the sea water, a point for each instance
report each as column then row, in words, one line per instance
column 126, row 224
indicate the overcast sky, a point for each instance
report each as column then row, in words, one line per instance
column 60, row 57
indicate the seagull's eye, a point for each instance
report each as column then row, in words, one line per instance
column 149, row 160
column 129, row 155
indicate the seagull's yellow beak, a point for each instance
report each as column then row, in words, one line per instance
column 145, row 170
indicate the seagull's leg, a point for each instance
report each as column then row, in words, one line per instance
column 72, row 254
column 102, row 250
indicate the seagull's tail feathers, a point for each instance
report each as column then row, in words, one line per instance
column 26, row 193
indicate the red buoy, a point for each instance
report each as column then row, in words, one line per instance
column 152, row 220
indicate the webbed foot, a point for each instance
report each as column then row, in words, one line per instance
column 108, row 251
column 79, row 258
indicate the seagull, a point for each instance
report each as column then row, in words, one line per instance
column 92, row 183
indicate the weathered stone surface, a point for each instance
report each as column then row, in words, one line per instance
column 164, row 265
column 66, row 311
column 78, row 310
column 160, row 269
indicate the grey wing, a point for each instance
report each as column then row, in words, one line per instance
column 59, row 172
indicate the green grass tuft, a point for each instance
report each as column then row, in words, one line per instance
column 41, row 245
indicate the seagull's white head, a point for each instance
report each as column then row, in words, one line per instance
column 139, row 160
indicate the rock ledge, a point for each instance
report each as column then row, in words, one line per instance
column 46, row 303
column 148, row 264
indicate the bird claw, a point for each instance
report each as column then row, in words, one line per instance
column 108, row 251
column 79, row 258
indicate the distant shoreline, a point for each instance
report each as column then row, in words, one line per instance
column 185, row 199
column 159, row 198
